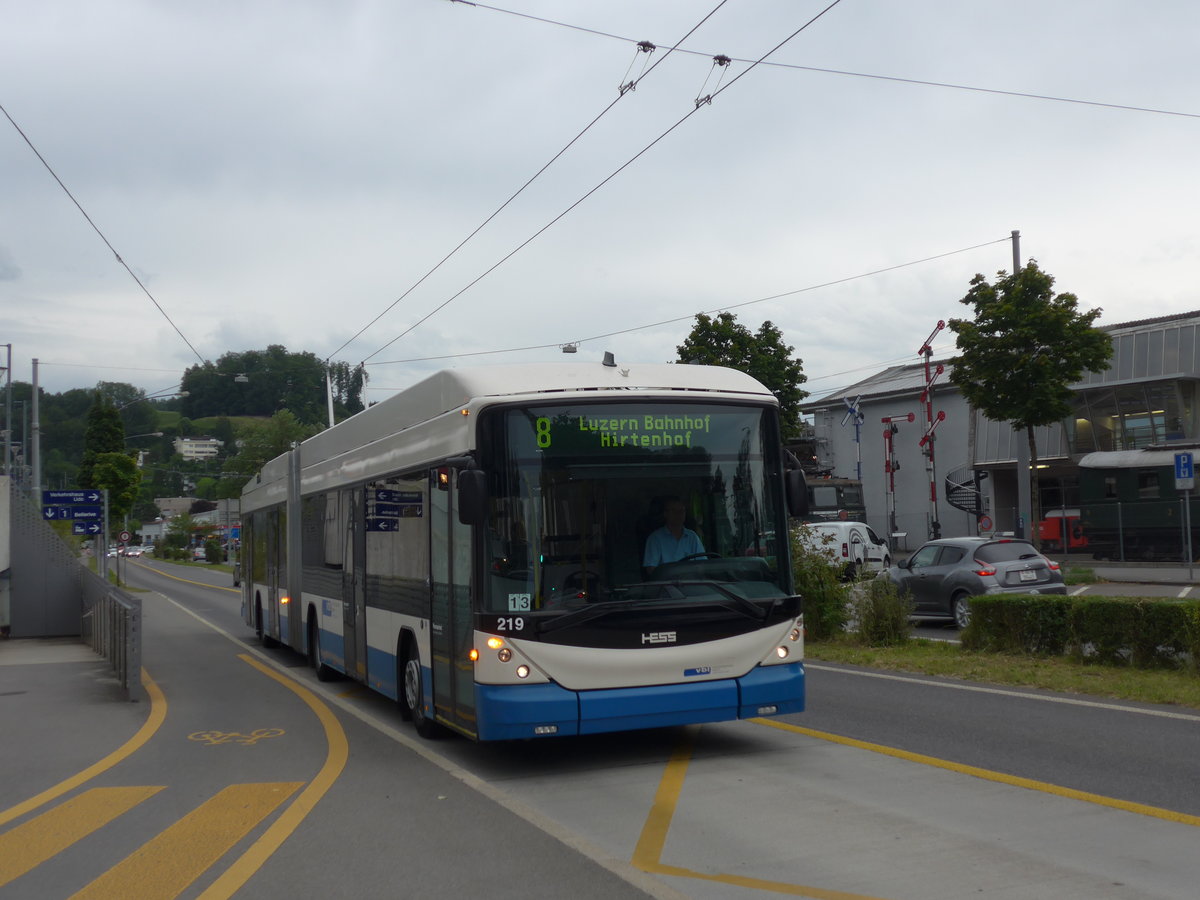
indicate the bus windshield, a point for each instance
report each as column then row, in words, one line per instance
column 605, row 502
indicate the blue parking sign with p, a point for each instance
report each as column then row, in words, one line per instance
column 1185, row 471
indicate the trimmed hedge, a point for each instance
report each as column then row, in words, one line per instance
column 1135, row 631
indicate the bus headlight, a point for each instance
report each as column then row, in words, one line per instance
column 504, row 655
column 522, row 671
column 781, row 652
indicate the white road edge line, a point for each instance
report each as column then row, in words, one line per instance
column 1115, row 707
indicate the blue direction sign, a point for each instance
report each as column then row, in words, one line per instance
column 1185, row 471
column 72, row 512
column 383, row 524
column 86, row 527
column 58, row 498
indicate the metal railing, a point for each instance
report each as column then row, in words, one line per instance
column 112, row 626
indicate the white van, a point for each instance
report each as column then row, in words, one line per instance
column 853, row 546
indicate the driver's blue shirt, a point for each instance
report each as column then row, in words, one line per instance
column 664, row 547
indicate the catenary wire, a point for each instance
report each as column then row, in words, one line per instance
column 522, row 188
column 599, row 337
column 899, row 79
column 96, row 229
column 597, row 187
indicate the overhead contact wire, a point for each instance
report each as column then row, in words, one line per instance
column 605, row 181
column 813, row 287
column 96, row 229
column 620, row 94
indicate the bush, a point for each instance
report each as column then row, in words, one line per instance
column 1019, row 623
column 882, row 615
column 1141, row 632
column 212, row 551
column 1121, row 631
column 825, row 597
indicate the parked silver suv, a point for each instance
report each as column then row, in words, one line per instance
column 944, row 574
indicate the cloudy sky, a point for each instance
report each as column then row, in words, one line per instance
column 287, row 172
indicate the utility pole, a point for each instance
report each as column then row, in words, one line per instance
column 35, row 440
column 1022, row 528
column 8, row 413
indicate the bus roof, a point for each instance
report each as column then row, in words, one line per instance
column 451, row 390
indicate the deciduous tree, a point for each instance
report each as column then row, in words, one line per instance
column 1024, row 349
column 722, row 341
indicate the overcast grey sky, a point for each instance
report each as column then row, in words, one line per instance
column 284, row 172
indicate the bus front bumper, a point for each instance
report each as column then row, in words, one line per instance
column 514, row 712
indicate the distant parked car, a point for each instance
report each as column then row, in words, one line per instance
column 198, row 555
column 852, row 546
column 944, row 574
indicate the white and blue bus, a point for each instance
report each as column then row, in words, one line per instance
column 474, row 548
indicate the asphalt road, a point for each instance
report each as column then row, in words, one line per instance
column 887, row 786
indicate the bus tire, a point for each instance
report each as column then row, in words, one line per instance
column 260, row 631
column 324, row 672
column 413, row 695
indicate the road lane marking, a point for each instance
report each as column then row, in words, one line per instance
column 158, row 713
column 647, row 855
column 30, row 844
column 204, row 584
column 165, row 865
column 1079, row 590
column 548, row 826
column 1184, row 593
column 1021, row 695
column 289, row 820
column 1044, row 787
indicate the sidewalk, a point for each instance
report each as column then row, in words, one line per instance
column 1143, row 573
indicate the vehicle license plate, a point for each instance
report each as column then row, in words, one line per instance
column 1029, row 575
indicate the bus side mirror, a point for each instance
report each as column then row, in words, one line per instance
column 472, row 497
column 797, row 492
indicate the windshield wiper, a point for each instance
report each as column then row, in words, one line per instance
column 591, row 611
column 671, row 595
column 739, row 603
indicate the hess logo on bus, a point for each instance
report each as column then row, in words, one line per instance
column 658, row 637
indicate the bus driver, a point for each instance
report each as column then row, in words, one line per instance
column 671, row 542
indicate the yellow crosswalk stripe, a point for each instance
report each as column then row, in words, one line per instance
column 165, row 865
column 29, row 845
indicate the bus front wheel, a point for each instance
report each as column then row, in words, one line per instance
column 413, row 694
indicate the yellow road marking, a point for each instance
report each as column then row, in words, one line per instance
column 1140, row 809
column 647, row 855
column 281, row 829
column 158, row 712
column 218, row 587
column 164, row 866
column 29, row 845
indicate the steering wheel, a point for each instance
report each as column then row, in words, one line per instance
column 700, row 556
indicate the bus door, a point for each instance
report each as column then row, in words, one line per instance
column 276, row 570
column 354, row 598
column 451, row 623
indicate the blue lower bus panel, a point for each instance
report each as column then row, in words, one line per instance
column 508, row 712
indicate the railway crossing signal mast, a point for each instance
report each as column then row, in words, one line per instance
column 890, row 464
column 931, row 422
column 854, row 414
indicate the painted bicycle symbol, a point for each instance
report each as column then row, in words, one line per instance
column 232, row 737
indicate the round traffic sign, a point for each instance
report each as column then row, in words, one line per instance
column 124, row 537
column 985, row 523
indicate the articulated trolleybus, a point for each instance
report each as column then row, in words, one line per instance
column 475, row 548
